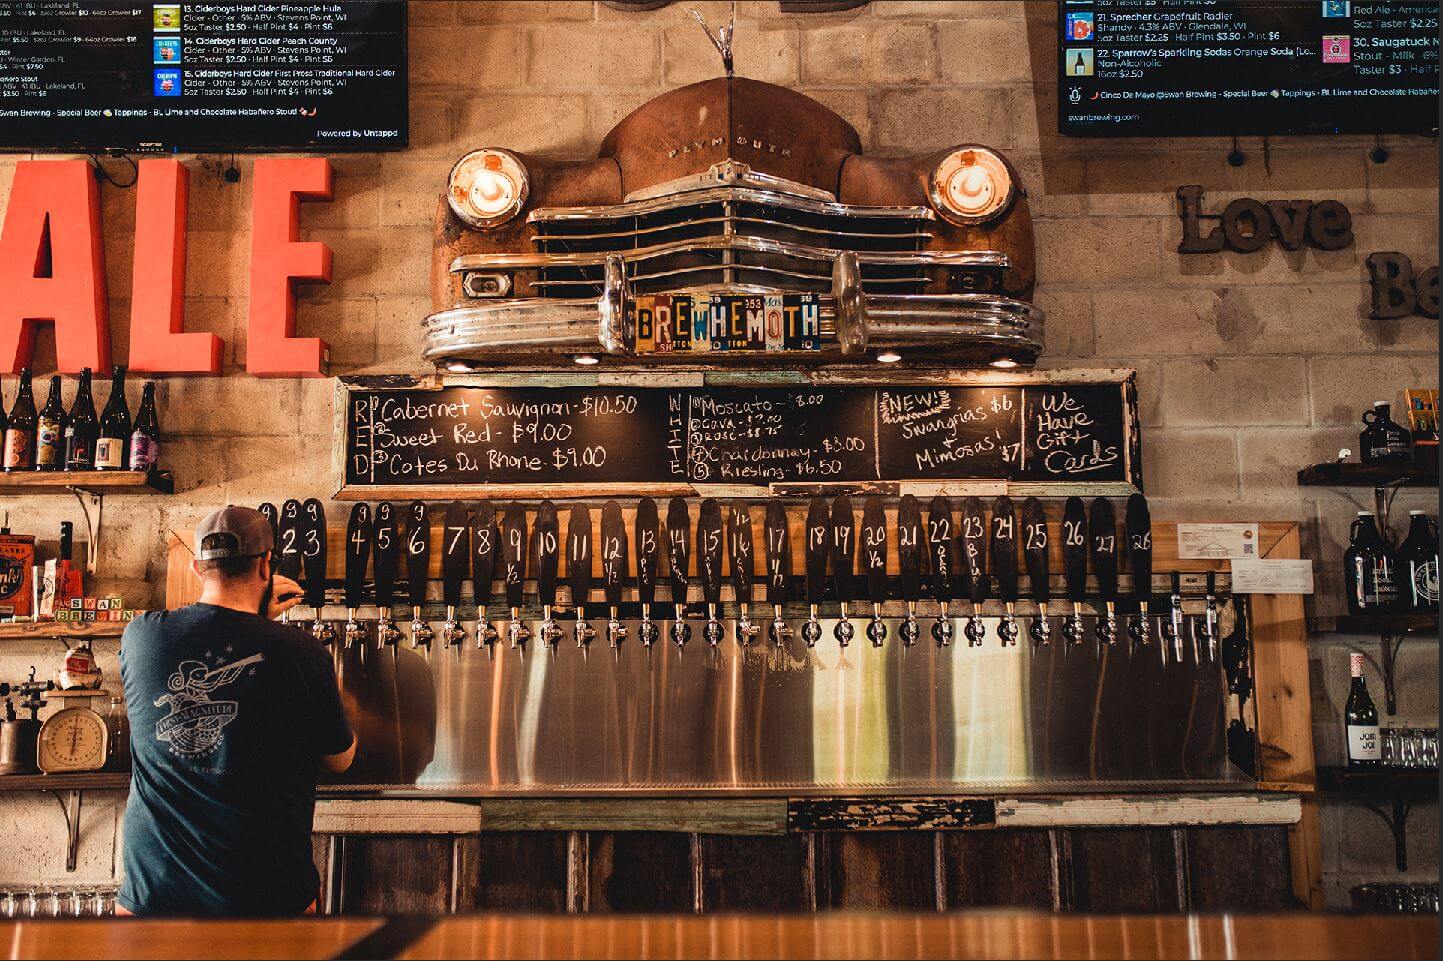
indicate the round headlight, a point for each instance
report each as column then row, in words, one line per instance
column 972, row 185
column 487, row 187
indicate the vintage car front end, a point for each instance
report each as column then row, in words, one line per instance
column 765, row 234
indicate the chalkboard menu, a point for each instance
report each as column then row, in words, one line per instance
column 737, row 436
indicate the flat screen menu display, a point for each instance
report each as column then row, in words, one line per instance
column 1129, row 68
column 228, row 75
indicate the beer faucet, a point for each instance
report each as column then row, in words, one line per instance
column 513, row 568
column 485, row 539
column 1209, row 626
column 974, row 568
column 742, row 558
column 709, row 564
column 288, row 545
column 613, row 570
column 678, row 547
column 313, row 564
column 942, row 552
column 1102, row 532
column 648, row 562
column 578, row 572
column 779, row 569
column 909, row 565
column 1034, row 551
column 387, row 557
column 873, row 539
column 1074, row 566
column 844, row 564
column 455, row 565
column 360, row 533
column 818, row 548
column 1174, row 627
column 1004, row 566
column 546, row 548
column 418, row 573
column 1138, row 525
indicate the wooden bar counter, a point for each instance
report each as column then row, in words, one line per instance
column 983, row 934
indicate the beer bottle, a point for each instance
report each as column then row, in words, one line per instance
column 1368, row 567
column 20, row 430
column 1418, row 566
column 82, row 428
column 114, row 426
column 145, row 438
column 50, row 431
column 1360, row 717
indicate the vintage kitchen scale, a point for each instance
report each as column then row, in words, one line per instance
column 76, row 738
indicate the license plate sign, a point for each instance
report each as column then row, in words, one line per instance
column 708, row 323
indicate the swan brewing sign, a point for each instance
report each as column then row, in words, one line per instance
column 1038, row 432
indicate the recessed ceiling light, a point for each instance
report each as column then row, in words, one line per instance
column 888, row 357
column 586, row 360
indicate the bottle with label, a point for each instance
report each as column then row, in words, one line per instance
column 50, row 431
column 1361, row 718
column 1383, row 441
column 145, row 437
column 114, row 426
column 1368, row 569
column 1418, row 566
column 82, row 428
column 20, row 430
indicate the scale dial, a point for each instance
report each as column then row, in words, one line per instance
column 73, row 739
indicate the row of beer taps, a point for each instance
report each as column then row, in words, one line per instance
column 970, row 562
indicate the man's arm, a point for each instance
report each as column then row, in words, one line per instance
column 336, row 763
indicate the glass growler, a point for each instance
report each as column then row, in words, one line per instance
column 1418, row 566
column 1368, row 567
column 1383, row 441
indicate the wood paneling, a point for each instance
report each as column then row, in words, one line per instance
column 998, row 869
column 877, row 870
column 639, row 871
column 755, row 874
column 387, row 874
column 520, row 871
column 1125, row 871
column 1239, row 869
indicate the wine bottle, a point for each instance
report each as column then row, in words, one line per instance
column 114, row 426
column 50, row 431
column 81, row 428
column 1361, row 720
column 1418, row 566
column 145, row 437
column 1368, row 568
column 20, row 430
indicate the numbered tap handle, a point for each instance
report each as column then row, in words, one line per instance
column 387, row 556
column 614, row 550
column 818, row 548
column 1212, row 584
column 741, row 550
column 360, row 533
column 1102, row 534
column 873, row 544
column 942, row 550
column 1075, row 548
column 1003, row 548
column 1175, row 581
column 844, row 548
column 514, row 552
column 273, row 517
column 909, row 547
column 418, row 552
column 485, row 549
column 709, row 546
column 1139, row 546
column 678, row 547
column 974, row 550
column 579, row 554
column 313, row 552
column 288, row 541
column 545, row 551
column 648, row 549
column 455, row 553
column 779, row 552
column 1035, row 549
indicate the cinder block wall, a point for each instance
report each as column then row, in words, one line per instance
column 1250, row 365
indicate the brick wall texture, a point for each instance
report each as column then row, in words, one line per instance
column 1249, row 365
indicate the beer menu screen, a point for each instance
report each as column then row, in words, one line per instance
column 326, row 75
column 1237, row 67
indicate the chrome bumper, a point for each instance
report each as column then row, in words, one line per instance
column 969, row 327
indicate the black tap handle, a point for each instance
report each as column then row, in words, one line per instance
column 1004, row 548
column 387, row 547
column 942, row 550
column 273, row 517
column 1034, row 549
column 844, row 547
column 418, row 551
column 709, row 545
column 545, row 552
column 455, row 553
column 613, row 552
column 779, row 552
column 741, row 550
column 579, row 554
column 818, row 548
column 678, row 547
column 974, row 550
column 1074, row 548
column 313, row 552
column 360, row 533
column 909, row 547
column 1102, row 532
column 648, row 549
column 1212, row 584
column 1139, row 546
column 288, row 544
column 514, row 551
column 485, row 547
column 873, row 541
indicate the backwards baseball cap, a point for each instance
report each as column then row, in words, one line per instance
column 233, row 532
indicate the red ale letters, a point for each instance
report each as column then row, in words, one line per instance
column 277, row 258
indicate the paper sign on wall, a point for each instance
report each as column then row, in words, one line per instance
column 1216, row 541
column 1272, row 577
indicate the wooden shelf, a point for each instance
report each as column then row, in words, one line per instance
column 1412, row 782
column 97, row 481
column 66, row 630
column 1366, row 475
column 92, row 781
column 1379, row 624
